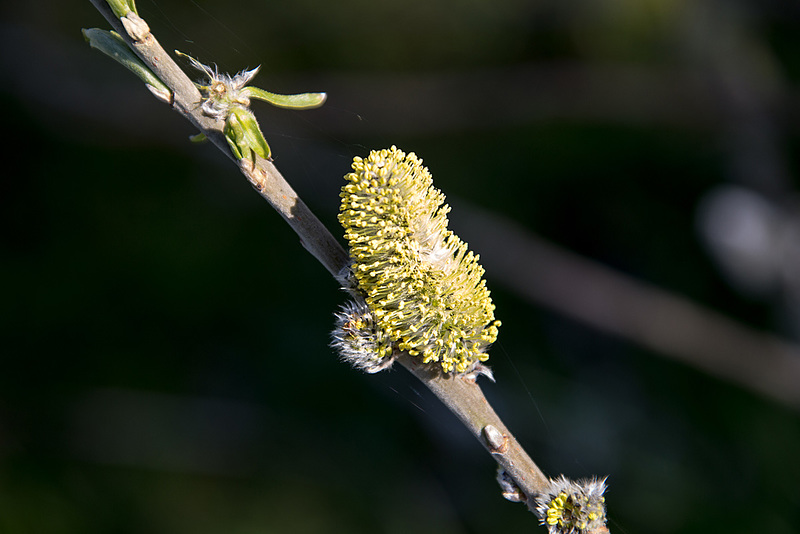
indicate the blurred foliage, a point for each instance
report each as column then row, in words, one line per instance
column 142, row 277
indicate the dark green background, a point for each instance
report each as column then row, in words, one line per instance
column 164, row 364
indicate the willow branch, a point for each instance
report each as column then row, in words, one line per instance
column 466, row 400
column 261, row 173
column 461, row 395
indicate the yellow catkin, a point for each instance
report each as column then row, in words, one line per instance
column 568, row 507
column 424, row 288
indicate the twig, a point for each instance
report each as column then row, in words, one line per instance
column 262, row 174
column 466, row 400
column 461, row 395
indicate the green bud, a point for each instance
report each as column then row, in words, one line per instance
column 122, row 7
column 228, row 98
column 244, row 136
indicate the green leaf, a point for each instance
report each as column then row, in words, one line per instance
column 114, row 46
column 300, row 101
column 244, row 136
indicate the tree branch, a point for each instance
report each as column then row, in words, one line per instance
column 261, row 173
column 461, row 394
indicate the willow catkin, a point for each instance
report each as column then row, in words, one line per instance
column 423, row 288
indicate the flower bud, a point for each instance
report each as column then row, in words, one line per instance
column 359, row 341
column 568, row 507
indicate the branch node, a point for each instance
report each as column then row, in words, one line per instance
column 511, row 490
column 495, row 440
column 136, row 27
column 256, row 176
column 161, row 95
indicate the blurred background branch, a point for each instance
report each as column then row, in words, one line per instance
column 640, row 313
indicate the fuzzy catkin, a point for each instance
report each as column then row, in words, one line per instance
column 423, row 286
column 359, row 341
column 568, row 507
